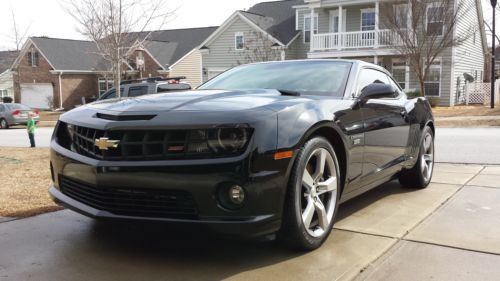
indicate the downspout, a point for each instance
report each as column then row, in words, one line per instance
column 60, row 91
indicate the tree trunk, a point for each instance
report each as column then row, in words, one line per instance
column 422, row 88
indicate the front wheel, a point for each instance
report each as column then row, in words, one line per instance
column 312, row 198
column 421, row 174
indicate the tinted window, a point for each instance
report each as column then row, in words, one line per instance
column 111, row 94
column 396, row 86
column 137, row 91
column 327, row 78
column 369, row 76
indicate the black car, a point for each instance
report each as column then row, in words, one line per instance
column 146, row 86
column 260, row 149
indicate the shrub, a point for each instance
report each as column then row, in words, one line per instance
column 414, row 94
column 7, row 99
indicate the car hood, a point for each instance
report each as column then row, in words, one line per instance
column 199, row 100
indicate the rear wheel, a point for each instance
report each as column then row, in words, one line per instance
column 312, row 197
column 421, row 174
column 4, row 124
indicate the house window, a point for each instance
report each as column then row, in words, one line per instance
column 368, row 19
column 399, row 73
column 104, row 85
column 3, row 93
column 435, row 24
column 33, row 58
column 239, row 41
column 307, row 27
column 433, row 80
column 402, row 15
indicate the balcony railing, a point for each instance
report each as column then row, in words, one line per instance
column 355, row 40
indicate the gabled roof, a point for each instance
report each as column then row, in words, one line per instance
column 277, row 18
column 65, row 54
column 7, row 58
column 169, row 46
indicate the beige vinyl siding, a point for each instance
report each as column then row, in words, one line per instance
column 469, row 57
column 222, row 53
column 189, row 66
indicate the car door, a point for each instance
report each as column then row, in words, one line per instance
column 386, row 127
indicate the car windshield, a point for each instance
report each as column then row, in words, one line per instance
column 325, row 78
column 15, row 106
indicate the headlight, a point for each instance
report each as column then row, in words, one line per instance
column 228, row 140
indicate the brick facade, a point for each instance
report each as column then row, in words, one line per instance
column 74, row 86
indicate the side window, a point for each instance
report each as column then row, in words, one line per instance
column 110, row 95
column 369, row 76
column 137, row 91
column 396, row 86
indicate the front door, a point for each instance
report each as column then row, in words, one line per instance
column 386, row 129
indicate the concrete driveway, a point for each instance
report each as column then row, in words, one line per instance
column 449, row 231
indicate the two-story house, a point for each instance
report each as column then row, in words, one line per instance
column 348, row 29
column 7, row 58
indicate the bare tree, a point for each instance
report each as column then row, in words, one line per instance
column 18, row 34
column 117, row 27
column 259, row 47
column 423, row 30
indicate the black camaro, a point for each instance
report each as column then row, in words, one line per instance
column 262, row 148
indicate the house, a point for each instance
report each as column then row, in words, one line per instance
column 266, row 31
column 7, row 58
column 52, row 72
column 344, row 29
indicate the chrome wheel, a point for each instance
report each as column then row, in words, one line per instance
column 319, row 192
column 427, row 160
column 3, row 124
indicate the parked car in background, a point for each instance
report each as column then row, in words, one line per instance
column 15, row 114
column 140, row 87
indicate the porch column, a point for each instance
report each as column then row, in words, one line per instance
column 375, row 60
column 377, row 8
column 407, row 75
column 341, row 28
column 312, row 29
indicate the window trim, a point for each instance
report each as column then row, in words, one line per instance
column 335, row 13
column 440, row 75
column 315, row 29
column 429, row 6
column 406, row 68
column 366, row 11
column 236, row 35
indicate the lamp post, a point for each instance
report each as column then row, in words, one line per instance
column 493, row 5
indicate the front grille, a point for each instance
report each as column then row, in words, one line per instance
column 137, row 145
column 174, row 204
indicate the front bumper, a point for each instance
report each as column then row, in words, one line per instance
column 260, row 215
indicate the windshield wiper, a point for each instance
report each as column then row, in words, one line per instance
column 289, row 93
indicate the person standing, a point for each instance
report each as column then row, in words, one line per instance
column 31, row 125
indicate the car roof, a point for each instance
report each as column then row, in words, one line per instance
column 357, row 63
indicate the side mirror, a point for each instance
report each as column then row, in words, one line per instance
column 376, row 91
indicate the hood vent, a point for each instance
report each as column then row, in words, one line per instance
column 125, row 117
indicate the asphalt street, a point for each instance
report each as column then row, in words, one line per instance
column 453, row 145
column 468, row 145
column 18, row 137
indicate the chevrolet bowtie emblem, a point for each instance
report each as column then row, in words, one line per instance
column 105, row 143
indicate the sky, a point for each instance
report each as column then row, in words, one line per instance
column 48, row 17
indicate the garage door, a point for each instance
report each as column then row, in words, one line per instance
column 36, row 95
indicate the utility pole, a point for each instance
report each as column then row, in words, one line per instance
column 493, row 5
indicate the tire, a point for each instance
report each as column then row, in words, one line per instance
column 309, row 213
column 4, row 124
column 421, row 174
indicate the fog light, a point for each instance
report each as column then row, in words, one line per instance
column 237, row 194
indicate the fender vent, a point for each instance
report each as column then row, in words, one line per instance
column 125, row 117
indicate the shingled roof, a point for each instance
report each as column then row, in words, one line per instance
column 277, row 18
column 166, row 46
column 7, row 58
